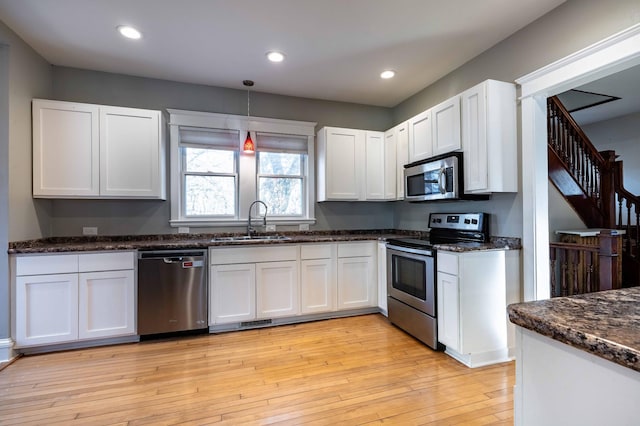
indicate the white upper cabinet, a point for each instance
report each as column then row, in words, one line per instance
column 340, row 168
column 420, row 137
column 374, row 165
column 489, row 138
column 130, row 153
column 446, row 126
column 96, row 151
column 355, row 165
column 66, row 150
column 390, row 167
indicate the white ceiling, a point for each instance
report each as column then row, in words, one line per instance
column 624, row 85
column 335, row 49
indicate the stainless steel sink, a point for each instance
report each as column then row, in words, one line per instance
column 241, row 238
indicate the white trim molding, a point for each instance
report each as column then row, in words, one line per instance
column 611, row 55
column 6, row 350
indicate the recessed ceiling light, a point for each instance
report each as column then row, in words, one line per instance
column 129, row 32
column 275, row 56
column 387, row 74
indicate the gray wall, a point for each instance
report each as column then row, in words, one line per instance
column 29, row 77
column 621, row 135
column 572, row 26
column 152, row 217
column 23, row 75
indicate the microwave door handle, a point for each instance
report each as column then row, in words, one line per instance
column 442, row 178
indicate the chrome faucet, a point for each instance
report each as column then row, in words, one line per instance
column 250, row 228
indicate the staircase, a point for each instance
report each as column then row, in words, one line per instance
column 592, row 184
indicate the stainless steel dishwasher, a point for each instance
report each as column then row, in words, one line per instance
column 172, row 291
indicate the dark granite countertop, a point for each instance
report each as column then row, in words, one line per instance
column 606, row 324
column 192, row 241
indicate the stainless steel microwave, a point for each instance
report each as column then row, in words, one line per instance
column 436, row 178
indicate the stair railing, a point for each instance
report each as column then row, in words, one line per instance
column 628, row 212
column 589, row 168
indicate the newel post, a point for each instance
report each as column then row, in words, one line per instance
column 607, row 189
column 608, row 257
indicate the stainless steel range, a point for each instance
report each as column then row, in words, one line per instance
column 411, row 272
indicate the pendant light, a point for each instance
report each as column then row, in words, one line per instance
column 248, row 147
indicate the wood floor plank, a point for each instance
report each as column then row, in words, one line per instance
column 353, row 371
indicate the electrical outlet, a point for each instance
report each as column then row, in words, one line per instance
column 89, row 230
column 271, row 228
column 303, row 227
column 183, row 230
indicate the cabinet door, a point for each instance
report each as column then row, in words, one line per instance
column 448, row 311
column 65, row 149
column 374, row 165
column 277, row 289
column 232, row 293
column 390, row 164
column 402, row 156
column 106, row 304
column 357, row 286
column 131, row 158
column 446, row 126
column 474, row 139
column 317, row 286
column 46, row 309
column 343, row 169
column 420, row 137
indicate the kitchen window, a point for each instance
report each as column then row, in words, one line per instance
column 281, row 174
column 213, row 182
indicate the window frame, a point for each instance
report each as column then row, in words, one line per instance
column 246, row 166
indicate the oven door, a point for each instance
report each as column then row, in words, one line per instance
column 411, row 278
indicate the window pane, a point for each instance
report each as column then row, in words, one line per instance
column 209, row 160
column 283, row 196
column 279, row 163
column 209, row 195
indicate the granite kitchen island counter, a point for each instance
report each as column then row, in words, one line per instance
column 578, row 359
column 606, row 324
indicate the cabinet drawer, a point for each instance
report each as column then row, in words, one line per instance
column 273, row 253
column 447, row 262
column 49, row 264
column 115, row 261
column 317, row 251
column 367, row 248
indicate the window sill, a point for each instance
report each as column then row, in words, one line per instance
column 203, row 223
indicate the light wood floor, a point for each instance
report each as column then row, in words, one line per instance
column 351, row 371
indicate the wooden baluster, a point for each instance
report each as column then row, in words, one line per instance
column 608, row 260
column 588, row 256
column 575, row 261
column 552, row 270
column 564, row 270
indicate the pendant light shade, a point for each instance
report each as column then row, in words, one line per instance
column 248, row 147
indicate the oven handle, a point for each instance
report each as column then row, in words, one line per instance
column 410, row 250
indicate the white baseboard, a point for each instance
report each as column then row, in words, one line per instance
column 6, row 350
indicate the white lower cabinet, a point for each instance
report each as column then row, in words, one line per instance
column 357, row 283
column 473, row 290
column 106, row 304
column 448, row 311
column 318, row 280
column 67, row 298
column 277, row 289
column 281, row 281
column 233, row 293
column 246, row 283
column 46, row 309
column 382, row 278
